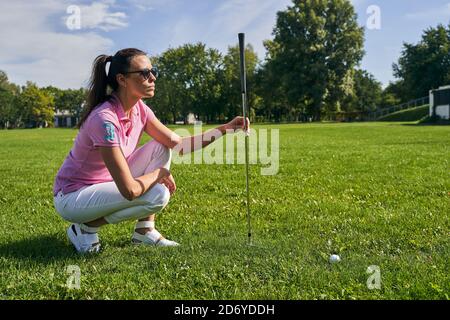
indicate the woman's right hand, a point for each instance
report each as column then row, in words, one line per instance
column 238, row 123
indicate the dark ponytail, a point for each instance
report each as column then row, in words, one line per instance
column 100, row 83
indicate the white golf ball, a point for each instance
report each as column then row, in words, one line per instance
column 334, row 258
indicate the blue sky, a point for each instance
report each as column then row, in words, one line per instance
column 37, row 45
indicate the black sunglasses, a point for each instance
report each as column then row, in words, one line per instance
column 147, row 72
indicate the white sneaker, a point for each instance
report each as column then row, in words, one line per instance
column 152, row 237
column 84, row 242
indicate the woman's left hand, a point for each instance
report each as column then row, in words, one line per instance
column 238, row 123
column 169, row 182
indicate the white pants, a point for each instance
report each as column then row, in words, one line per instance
column 103, row 200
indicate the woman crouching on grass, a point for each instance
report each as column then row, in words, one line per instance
column 106, row 178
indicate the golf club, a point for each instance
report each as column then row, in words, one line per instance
column 241, row 37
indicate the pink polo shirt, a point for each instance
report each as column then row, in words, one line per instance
column 106, row 126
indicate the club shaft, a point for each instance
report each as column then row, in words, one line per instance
column 241, row 37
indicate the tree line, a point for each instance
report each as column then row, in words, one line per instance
column 311, row 71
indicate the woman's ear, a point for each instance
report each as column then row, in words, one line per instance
column 120, row 78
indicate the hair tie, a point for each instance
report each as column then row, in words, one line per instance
column 107, row 68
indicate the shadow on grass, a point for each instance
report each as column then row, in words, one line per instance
column 43, row 249
column 426, row 124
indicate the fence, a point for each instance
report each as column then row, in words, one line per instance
column 408, row 105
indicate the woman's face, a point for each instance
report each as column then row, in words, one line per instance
column 135, row 82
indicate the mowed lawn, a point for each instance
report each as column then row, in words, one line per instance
column 377, row 194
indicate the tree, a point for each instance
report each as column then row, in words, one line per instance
column 425, row 65
column 190, row 81
column 5, row 85
column 68, row 99
column 368, row 92
column 231, row 93
column 316, row 46
column 7, row 110
column 8, row 97
column 274, row 98
column 36, row 106
column 393, row 94
column 163, row 101
column 170, row 93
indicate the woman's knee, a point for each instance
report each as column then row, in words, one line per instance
column 157, row 197
column 157, row 146
column 161, row 151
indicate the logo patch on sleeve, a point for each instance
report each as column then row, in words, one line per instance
column 109, row 131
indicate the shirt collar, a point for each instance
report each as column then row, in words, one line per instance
column 119, row 108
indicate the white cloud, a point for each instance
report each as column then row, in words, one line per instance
column 143, row 5
column 147, row 5
column 32, row 48
column 440, row 13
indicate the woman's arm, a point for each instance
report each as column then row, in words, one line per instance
column 162, row 134
column 193, row 143
column 170, row 139
column 130, row 187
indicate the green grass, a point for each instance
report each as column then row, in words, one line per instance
column 414, row 114
column 374, row 193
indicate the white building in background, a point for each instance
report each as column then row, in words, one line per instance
column 190, row 119
column 64, row 118
column 440, row 102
